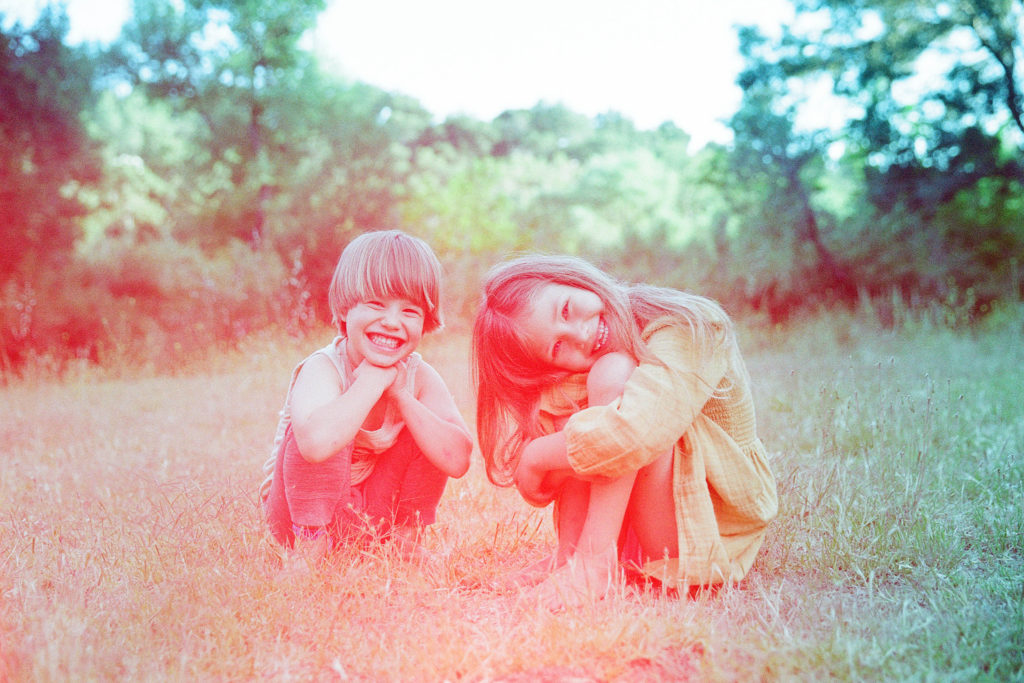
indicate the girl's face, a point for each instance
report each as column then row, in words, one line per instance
column 565, row 327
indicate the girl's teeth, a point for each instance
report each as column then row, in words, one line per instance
column 602, row 335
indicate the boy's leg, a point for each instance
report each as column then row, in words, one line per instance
column 312, row 491
column 404, row 488
column 275, row 507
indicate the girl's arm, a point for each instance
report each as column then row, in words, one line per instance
column 544, row 463
column 325, row 419
column 434, row 421
column 542, row 468
column 658, row 404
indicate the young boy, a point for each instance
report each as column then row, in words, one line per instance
column 369, row 433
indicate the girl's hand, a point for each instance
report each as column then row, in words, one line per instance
column 542, row 469
column 537, row 484
column 532, row 484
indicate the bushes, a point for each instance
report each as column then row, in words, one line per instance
column 156, row 304
column 160, row 303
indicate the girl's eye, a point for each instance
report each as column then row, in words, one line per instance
column 375, row 304
column 555, row 349
column 413, row 312
column 565, row 311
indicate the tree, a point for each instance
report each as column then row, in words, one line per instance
column 45, row 155
column 932, row 96
column 235, row 63
column 546, row 130
column 771, row 153
column 927, row 83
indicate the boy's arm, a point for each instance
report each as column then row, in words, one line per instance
column 325, row 419
column 434, row 421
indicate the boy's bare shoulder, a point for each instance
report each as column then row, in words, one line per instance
column 317, row 371
column 428, row 373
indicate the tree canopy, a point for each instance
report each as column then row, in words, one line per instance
column 203, row 171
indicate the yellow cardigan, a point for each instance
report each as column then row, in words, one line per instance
column 724, row 490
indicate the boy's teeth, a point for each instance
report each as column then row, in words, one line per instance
column 389, row 342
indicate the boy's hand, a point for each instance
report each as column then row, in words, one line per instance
column 398, row 384
column 375, row 375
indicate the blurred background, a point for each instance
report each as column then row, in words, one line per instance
column 178, row 175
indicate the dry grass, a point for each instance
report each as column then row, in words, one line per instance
column 132, row 547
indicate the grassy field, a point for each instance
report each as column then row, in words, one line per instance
column 131, row 547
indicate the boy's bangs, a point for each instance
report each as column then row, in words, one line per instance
column 397, row 276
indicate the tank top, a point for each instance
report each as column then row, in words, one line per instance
column 369, row 443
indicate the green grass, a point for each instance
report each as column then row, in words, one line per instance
column 131, row 545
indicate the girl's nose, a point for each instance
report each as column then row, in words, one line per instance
column 579, row 334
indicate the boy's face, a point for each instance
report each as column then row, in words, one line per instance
column 383, row 331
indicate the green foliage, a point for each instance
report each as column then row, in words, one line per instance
column 217, row 138
column 910, row 225
column 149, row 188
column 237, row 65
column 45, row 156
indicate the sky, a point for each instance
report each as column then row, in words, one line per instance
column 650, row 60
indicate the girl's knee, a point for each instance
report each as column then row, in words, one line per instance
column 658, row 472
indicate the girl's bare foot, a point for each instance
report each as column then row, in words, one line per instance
column 527, row 577
column 582, row 579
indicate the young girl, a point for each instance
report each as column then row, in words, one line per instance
column 369, row 433
column 630, row 408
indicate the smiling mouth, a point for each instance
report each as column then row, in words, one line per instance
column 390, row 343
column 602, row 335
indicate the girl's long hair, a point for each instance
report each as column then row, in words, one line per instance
column 510, row 380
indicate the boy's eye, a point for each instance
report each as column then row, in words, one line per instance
column 555, row 349
column 413, row 312
column 565, row 311
column 375, row 304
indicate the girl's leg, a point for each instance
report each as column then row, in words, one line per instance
column 570, row 514
column 606, row 511
column 593, row 565
column 572, row 502
column 651, row 512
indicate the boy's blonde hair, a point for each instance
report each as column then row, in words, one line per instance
column 387, row 264
column 509, row 381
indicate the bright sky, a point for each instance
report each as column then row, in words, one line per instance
column 651, row 60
